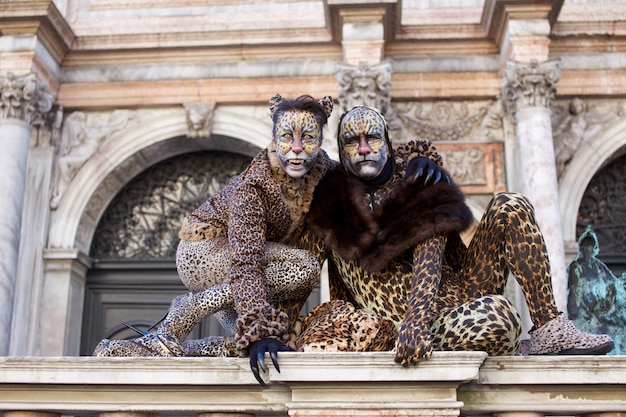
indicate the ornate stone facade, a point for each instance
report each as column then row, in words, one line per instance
column 520, row 97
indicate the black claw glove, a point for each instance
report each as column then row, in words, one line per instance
column 422, row 170
column 257, row 355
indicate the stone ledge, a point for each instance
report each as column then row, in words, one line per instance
column 555, row 385
column 295, row 367
column 317, row 384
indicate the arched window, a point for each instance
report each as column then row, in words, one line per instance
column 134, row 277
column 604, row 208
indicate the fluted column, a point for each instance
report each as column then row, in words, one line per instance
column 528, row 91
column 22, row 102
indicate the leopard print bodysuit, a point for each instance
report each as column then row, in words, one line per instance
column 415, row 271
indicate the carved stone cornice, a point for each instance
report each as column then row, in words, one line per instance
column 497, row 13
column 39, row 18
column 386, row 12
column 530, row 84
column 22, row 98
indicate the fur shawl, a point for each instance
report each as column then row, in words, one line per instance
column 408, row 214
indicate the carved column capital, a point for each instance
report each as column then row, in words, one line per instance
column 531, row 84
column 363, row 84
column 23, row 98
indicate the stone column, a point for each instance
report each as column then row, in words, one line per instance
column 528, row 91
column 22, row 102
column 27, row 304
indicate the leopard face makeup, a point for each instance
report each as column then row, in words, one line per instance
column 362, row 144
column 298, row 140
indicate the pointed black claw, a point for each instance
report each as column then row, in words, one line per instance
column 429, row 176
column 139, row 331
column 418, row 173
column 255, row 372
column 274, row 357
column 437, row 177
column 261, row 361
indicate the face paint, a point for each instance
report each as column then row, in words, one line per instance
column 298, row 139
column 362, row 142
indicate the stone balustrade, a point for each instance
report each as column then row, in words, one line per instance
column 320, row 384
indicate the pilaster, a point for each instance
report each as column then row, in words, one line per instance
column 23, row 103
column 62, row 302
column 44, row 141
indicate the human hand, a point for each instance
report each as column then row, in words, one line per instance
column 423, row 170
column 257, row 355
column 415, row 344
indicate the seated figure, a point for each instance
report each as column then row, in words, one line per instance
column 389, row 221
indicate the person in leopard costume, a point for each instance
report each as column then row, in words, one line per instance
column 409, row 266
column 237, row 254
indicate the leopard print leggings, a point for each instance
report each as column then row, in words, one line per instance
column 507, row 239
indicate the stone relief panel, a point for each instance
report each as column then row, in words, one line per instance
column 81, row 136
column 478, row 168
column 575, row 121
column 468, row 134
column 467, row 121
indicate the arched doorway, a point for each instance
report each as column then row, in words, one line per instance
column 133, row 278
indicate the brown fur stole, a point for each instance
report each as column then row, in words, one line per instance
column 410, row 214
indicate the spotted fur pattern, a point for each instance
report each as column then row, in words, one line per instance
column 337, row 326
column 236, row 252
column 426, row 287
column 490, row 323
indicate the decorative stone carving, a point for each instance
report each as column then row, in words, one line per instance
column 476, row 167
column 199, row 119
column 48, row 133
column 448, row 121
column 596, row 296
column 81, row 136
column 23, row 98
column 365, row 85
column 573, row 123
column 530, row 84
column 466, row 166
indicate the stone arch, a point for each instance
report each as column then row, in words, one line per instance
column 589, row 158
column 159, row 136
